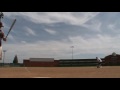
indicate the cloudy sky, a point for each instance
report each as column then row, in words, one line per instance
column 52, row 35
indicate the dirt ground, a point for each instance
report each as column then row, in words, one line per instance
column 60, row 72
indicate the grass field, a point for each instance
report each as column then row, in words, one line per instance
column 60, row 72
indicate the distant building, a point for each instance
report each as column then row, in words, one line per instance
column 113, row 59
column 40, row 62
column 50, row 62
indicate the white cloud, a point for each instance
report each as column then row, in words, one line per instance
column 94, row 45
column 6, row 26
column 54, row 17
column 24, row 42
column 29, row 31
column 11, row 14
column 95, row 25
column 12, row 38
column 111, row 26
column 53, row 32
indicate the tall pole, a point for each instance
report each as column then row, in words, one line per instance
column 4, row 56
column 72, row 51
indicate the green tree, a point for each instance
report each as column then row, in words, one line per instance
column 15, row 61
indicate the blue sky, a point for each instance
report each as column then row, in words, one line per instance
column 51, row 35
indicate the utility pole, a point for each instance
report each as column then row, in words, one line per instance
column 4, row 56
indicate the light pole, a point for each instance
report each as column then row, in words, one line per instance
column 4, row 56
column 72, row 51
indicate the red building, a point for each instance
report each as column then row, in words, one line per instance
column 113, row 59
column 41, row 62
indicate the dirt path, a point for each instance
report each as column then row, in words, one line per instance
column 60, row 72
